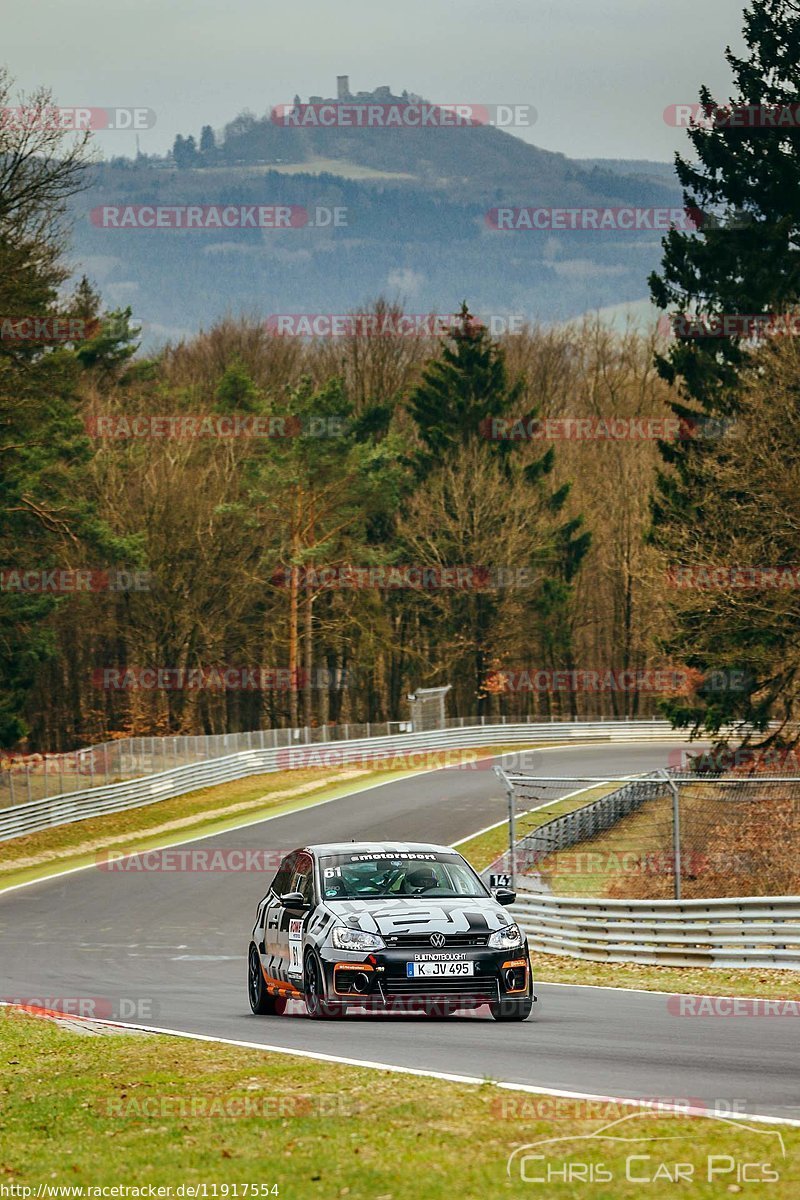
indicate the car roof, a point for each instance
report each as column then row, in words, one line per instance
column 376, row 847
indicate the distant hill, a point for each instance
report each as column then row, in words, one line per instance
column 416, row 228
column 664, row 171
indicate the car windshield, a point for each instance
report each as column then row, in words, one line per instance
column 394, row 874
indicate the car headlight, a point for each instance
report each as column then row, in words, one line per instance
column 506, row 938
column 356, row 939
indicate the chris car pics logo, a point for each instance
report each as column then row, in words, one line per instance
column 621, row 1153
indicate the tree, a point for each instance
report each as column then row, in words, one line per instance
column 737, row 625
column 46, row 516
column 745, row 259
column 208, row 145
column 322, row 487
column 184, row 152
column 746, row 256
column 461, row 391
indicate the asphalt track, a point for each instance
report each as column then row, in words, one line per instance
column 168, row 949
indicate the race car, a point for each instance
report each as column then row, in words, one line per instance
column 393, row 926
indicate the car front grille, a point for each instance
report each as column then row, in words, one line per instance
column 484, row 989
column 422, row 941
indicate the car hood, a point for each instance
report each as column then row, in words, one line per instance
column 468, row 915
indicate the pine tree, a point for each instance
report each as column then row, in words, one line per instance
column 744, row 259
column 208, row 144
column 459, row 393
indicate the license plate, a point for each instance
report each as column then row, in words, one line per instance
column 435, row 970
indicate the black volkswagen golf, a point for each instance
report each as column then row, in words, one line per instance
column 392, row 926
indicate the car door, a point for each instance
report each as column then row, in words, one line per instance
column 293, row 921
column 273, row 916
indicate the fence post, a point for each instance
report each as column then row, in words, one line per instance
column 676, row 830
column 512, row 828
column 512, row 836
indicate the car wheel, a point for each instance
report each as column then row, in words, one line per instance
column 512, row 1010
column 261, row 1002
column 318, row 1008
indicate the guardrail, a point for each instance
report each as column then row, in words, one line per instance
column 749, row 931
column 41, row 814
column 34, row 776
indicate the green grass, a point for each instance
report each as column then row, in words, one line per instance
column 108, row 1110
column 712, row 981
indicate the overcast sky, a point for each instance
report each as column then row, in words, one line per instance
column 599, row 72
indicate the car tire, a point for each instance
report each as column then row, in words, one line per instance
column 261, row 1002
column 512, row 1010
column 317, row 1007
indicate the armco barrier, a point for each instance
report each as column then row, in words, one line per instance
column 749, row 931
column 79, row 806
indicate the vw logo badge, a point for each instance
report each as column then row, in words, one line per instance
column 437, row 939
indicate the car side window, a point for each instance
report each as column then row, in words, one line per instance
column 281, row 883
column 303, row 878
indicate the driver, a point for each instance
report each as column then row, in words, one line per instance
column 421, row 880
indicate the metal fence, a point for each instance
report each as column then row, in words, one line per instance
column 34, row 777
column 666, row 834
column 28, row 816
column 750, row 931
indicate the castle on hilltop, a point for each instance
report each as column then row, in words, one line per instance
column 381, row 95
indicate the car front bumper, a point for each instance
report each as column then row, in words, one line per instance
column 381, row 979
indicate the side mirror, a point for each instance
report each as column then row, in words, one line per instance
column 505, row 896
column 294, row 900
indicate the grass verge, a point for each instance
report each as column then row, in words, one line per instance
column 149, row 1110
column 706, row 981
